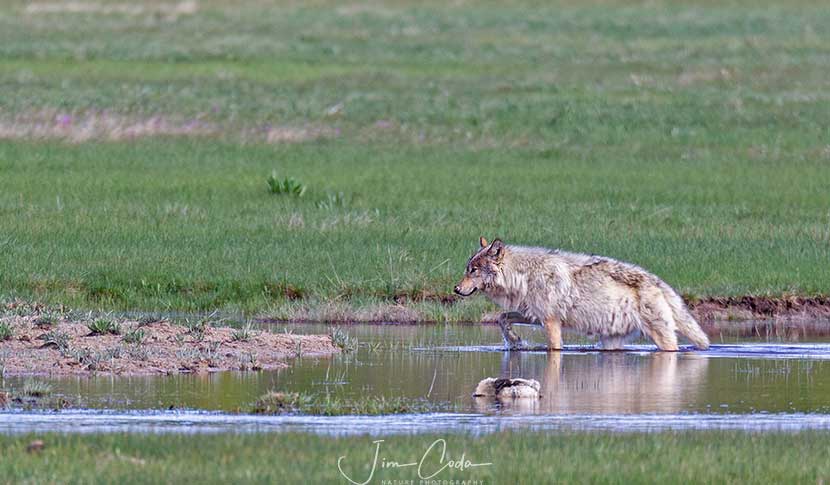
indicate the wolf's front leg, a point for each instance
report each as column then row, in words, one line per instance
column 511, row 339
column 553, row 329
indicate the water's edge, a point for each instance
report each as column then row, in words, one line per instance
column 198, row 422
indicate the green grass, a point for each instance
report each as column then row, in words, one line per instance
column 274, row 402
column 688, row 137
column 705, row 457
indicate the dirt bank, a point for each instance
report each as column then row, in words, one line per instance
column 413, row 308
column 760, row 307
column 41, row 344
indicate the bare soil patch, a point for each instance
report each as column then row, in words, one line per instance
column 92, row 125
column 67, row 347
column 760, row 307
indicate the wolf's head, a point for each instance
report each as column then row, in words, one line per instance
column 482, row 268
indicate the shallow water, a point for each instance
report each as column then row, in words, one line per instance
column 196, row 422
column 756, row 376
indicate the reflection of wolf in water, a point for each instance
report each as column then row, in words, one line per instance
column 612, row 383
column 589, row 294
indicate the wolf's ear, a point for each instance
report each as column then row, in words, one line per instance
column 483, row 242
column 496, row 249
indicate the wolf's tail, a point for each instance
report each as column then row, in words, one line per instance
column 686, row 323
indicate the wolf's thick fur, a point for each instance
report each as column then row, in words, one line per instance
column 589, row 294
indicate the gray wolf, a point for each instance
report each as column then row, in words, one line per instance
column 590, row 294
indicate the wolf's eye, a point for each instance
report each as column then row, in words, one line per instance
column 473, row 270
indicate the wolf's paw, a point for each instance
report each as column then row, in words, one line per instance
column 515, row 345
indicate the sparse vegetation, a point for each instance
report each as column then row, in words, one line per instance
column 243, row 333
column 32, row 388
column 342, row 339
column 46, row 320
column 138, row 352
column 249, row 361
column 6, row 331
column 103, row 326
column 196, row 328
column 156, row 349
column 135, row 336
column 287, row 402
column 148, row 320
column 335, row 200
column 57, row 339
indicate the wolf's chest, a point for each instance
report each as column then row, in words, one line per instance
column 517, row 303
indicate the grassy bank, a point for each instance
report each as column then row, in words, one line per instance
column 711, row 457
column 690, row 140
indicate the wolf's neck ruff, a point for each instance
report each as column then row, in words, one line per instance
column 524, row 282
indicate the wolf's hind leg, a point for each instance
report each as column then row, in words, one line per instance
column 511, row 340
column 662, row 333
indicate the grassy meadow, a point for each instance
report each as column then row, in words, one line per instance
column 699, row 457
column 136, row 140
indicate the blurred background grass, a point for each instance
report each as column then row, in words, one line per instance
column 136, row 140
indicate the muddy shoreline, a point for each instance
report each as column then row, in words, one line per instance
column 44, row 344
column 403, row 310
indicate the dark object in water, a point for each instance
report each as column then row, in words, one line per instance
column 503, row 388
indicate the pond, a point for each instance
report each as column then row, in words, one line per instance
column 756, row 375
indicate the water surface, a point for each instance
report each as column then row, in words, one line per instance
column 757, row 375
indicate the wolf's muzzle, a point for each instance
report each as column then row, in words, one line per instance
column 457, row 291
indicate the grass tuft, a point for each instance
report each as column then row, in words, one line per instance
column 6, row 331
column 134, row 337
column 244, row 333
column 103, row 326
column 32, row 388
column 286, row 186
column 342, row 339
column 46, row 320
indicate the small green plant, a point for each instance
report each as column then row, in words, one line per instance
column 273, row 402
column 148, row 320
column 137, row 352
column 243, row 334
column 6, row 331
column 56, row 339
column 89, row 360
column 287, row 186
column 196, row 329
column 249, row 361
column 46, row 320
column 36, row 388
column 112, row 352
column 4, row 354
column 189, row 353
column 103, row 326
column 134, row 337
column 342, row 339
column 374, row 346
